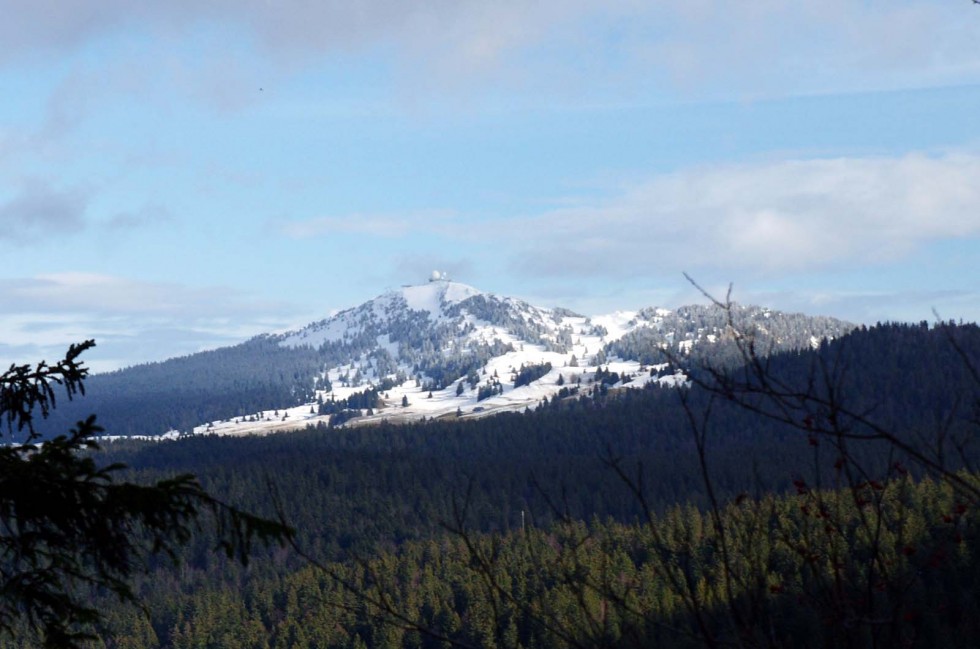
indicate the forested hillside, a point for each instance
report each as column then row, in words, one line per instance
column 605, row 584
column 182, row 392
column 587, row 520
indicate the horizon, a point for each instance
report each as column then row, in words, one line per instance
column 177, row 178
column 431, row 280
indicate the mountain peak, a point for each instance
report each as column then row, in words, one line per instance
column 435, row 295
column 446, row 349
column 437, row 300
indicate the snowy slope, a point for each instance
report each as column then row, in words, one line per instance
column 445, row 349
column 432, row 298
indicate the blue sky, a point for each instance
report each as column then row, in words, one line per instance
column 179, row 176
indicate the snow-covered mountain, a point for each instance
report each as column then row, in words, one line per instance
column 445, row 349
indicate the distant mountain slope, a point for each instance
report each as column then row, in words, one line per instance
column 354, row 492
column 907, row 378
column 441, row 349
column 687, row 329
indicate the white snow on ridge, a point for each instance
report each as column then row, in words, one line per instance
column 444, row 403
column 427, row 297
column 618, row 324
column 433, row 296
column 438, row 295
column 448, row 331
column 449, row 334
column 575, row 369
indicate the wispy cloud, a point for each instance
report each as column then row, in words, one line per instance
column 111, row 295
column 38, row 209
column 149, row 215
column 42, row 315
column 785, row 216
column 807, row 46
column 746, row 49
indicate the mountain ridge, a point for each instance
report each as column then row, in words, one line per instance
column 438, row 349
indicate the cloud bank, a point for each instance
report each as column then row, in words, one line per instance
column 755, row 48
column 129, row 319
column 39, row 210
column 789, row 216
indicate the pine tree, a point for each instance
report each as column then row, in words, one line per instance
column 69, row 527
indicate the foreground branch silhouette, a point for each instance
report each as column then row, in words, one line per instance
column 872, row 545
column 69, row 528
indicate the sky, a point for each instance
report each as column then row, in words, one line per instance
column 178, row 176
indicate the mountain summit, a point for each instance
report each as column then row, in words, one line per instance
column 439, row 349
column 435, row 298
column 448, row 349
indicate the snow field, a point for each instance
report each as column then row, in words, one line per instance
column 588, row 335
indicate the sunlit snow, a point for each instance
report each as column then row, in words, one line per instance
column 582, row 342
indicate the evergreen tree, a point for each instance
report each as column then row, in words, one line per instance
column 69, row 528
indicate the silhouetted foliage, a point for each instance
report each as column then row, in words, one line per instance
column 68, row 529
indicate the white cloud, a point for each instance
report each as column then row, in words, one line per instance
column 476, row 30
column 757, row 48
column 776, row 217
column 132, row 321
column 111, row 295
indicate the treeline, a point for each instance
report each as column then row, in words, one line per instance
column 528, row 374
column 366, row 400
column 511, row 315
column 374, row 504
column 787, row 582
column 387, row 483
column 694, row 324
column 181, row 393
